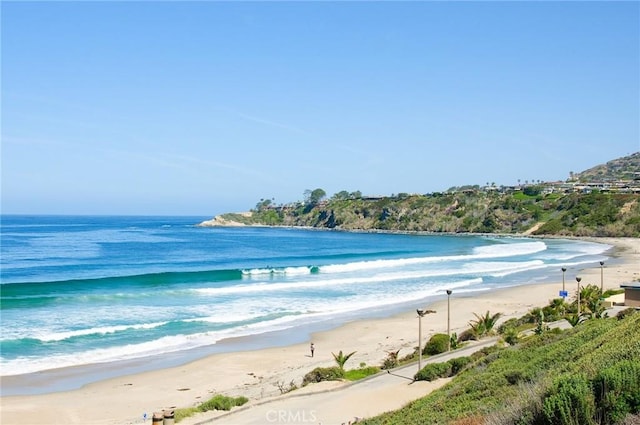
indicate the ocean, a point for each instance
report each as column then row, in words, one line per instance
column 87, row 290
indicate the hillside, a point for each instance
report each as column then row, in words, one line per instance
column 601, row 201
column 626, row 168
column 587, row 375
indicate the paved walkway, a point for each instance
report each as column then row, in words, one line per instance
column 330, row 403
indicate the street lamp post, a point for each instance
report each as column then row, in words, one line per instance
column 449, row 319
column 421, row 314
column 601, row 278
column 564, row 269
column 578, row 279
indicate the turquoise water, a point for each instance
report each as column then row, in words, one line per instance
column 86, row 290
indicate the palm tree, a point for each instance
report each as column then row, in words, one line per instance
column 573, row 319
column 484, row 324
column 341, row 359
column 597, row 309
column 558, row 305
column 590, row 298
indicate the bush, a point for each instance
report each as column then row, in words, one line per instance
column 626, row 312
column 484, row 352
column 222, row 402
column 433, row 371
column 514, row 377
column 466, row 335
column 458, row 364
column 508, row 324
column 511, row 336
column 320, row 374
column 438, row 343
column 617, row 391
column 570, row 402
column 391, row 360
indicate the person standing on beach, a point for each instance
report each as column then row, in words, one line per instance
column 313, row 348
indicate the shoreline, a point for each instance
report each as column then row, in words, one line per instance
column 256, row 373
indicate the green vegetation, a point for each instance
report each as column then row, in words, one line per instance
column 337, row 373
column 438, row 343
column 433, row 371
column 442, row 370
column 556, row 209
column 320, row 374
column 586, row 375
column 360, row 373
column 341, row 359
column 575, row 214
column 218, row 402
column 391, row 360
column 483, row 325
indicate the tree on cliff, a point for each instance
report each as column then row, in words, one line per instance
column 313, row 197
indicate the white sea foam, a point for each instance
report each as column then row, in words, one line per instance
column 61, row 336
column 277, row 271
column 509, row 249
column 311, row 312
column 488, row 268
column 485, row 252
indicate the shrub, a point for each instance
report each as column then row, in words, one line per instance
column 433, row 371
column 484, row 352
column 458, row 363
column 320, row 374
column 626, row 312
column 511, row 336
column 438, row 343
column 391, row 360
column 514, row 377
column 454, row 341
column 570, row 402
column 466, row 335
column 509, row 324
column 222, row 402
column 286, row 388
column 617, row 391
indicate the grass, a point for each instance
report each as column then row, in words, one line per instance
column 511, row 384
column 217, row 402
column 360, row 373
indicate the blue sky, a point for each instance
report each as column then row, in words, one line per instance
column 200, row 108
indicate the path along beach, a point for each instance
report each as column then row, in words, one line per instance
column 257, row 374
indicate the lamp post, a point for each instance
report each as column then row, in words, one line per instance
column 449, row 319
column 578, row 279
column 601, row 278
column 564, row 269
column 421, row 314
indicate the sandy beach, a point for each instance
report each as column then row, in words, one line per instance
column 257, row 374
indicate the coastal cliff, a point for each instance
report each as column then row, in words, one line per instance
column 229, row 220
column 602, row 201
